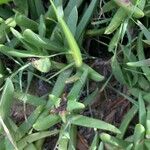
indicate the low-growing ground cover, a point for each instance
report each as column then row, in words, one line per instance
column 74, row 74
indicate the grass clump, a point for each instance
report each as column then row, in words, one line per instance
column 56, row 42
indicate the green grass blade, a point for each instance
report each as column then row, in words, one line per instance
column 42, row 26
column 92, row 73
column 30, row 147
column 34, row 137
column 6, row 99
column 8, row 134
column 93, row 123
column 141, row 55
column 72, row 20
column 110, row 5
column 145, row 31
column 38, row 41
column 74, row 49
column 141, row 63
column 130, row 9
column 60, row 83
column 118, row 143
column 142, row 110
column 47, row 122
column 21, row 6
column 139, row 134
column 39, row 7
column 27, row 124
column 117, row 71
column 71, row 4
column 147, row 144
column 126, row 120
column 101, row 146
column 90, row 98
column 2, row 144
column 4, row 1
column 28, row 98
column 148, row 124
column 78, row 85
column 95, row 142
column 85, row 19
column 19, row 53
column 23, row 21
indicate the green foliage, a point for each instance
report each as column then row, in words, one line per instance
column 47, row 41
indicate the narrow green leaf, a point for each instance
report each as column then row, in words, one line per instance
column 39, row 144
column 8, row 134
column 42, row 26
column 148, row 124
column 77, row 88
column 71, row 4
column 90, row 98
column 72, row 20
column 145, row 31
column 118, row 143
column 101, row 146
column 19, row 53
column 47, row 122
column 74, row 49
column 60, row 83
column 139, row 134
column 143, row 83
column 92, row 73
column 27, row 124
column 147, row 41
column 2, row 144
column 147, row 144
column 6, row 99
column 23, row 21
column 30, row 147
column 28, row 98
column 110, row 5
column 114, row 41
column 38, row 41
column 73, row 106
column 129, row 147
column 92, row 123
column 95, row 32
column 32, row 9
column 39, row 7
column 126, row 120
column 63, row 140
column 141, row 55
column 126, row 96
column 95, row 142
column 4, row 1
column 116, row 21
column 141, row 63
column 21, row 6
column 117, row 71
column 142, row 110
column 130, row 9
column 85, row 19
column 9, row 145
column 73, row 137
column 34, row 137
